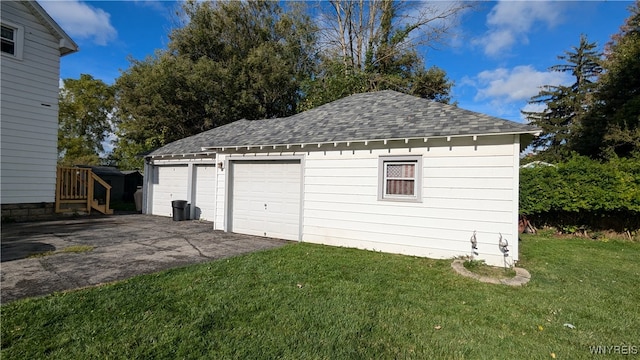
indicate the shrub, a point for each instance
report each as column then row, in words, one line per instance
column 582, row 193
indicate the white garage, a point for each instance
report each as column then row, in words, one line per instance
column 265, row 198
column 330, row 176
column 168, row 183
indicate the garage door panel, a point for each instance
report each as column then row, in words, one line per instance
column 274, row 183
column 169, row 183
column 287, row 208
column 248, row 226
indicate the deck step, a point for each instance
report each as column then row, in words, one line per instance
column 101, row 208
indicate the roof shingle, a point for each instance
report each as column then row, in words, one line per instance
column 366, row 116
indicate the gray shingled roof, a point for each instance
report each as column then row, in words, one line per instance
column 368, row 116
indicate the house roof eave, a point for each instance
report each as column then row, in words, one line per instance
column 425, row 139
column 188, row 155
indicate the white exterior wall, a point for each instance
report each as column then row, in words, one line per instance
column 220, row 196
column 29, row 112
column 467, row 186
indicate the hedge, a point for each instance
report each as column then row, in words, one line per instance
column 583, row 193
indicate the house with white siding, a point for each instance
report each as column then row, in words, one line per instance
column 382, row 171
column 32, row 44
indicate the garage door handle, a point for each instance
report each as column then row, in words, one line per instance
column 265, row 206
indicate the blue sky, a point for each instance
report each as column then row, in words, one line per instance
column 498, row 56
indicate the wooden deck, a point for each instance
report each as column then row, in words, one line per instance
column 75, row 190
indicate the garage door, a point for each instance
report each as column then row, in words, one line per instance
column 265, row 199
column 169, row 183
column 205, row 191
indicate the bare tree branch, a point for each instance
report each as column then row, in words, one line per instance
column 412, row 24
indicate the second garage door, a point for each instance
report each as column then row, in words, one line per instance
column 265, row 198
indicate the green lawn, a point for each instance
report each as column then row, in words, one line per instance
column 306, row 301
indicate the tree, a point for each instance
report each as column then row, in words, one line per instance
column 431, row 84
column 84, row 120
column 265, row 52
column 379, row 33
column 565, row 106
column 612, row 127
column 230, row 60
column 166, row 98
column 371, row 45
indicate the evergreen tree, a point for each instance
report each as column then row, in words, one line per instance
column 612, row 128
column 565, row 106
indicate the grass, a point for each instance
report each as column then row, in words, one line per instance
column 306, row 301
column 69, row 249
column 480, row 268
column 121, row 205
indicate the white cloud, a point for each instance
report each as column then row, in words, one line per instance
column 509, row 22
column 503, row 92
column 520, row 83
column 82, row 21
column 153, row 4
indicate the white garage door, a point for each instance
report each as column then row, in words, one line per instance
column 265, row 199
column 169, row 183
column 205, row 191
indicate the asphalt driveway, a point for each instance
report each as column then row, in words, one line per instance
column 40, row 258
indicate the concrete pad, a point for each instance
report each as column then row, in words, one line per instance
column 123, row 246
column 522, row 275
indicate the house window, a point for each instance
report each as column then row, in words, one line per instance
column 11, row 38
column 400, row 178
column 8, row 40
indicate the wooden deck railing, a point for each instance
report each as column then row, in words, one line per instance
column 76, row 186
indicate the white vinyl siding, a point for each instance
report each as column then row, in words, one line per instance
column 29, row 122
column 466, row 186
column 219, row 223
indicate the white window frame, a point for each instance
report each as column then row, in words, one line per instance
column 18, row 40
column 383, row 161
